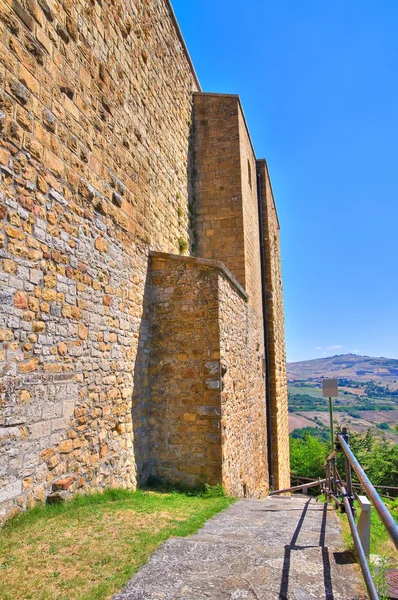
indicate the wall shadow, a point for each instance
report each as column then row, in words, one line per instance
column 283, row 592
column 191, row 183
column 346, row 557
column 141, row 388
column 141, row 397
column 327, row 578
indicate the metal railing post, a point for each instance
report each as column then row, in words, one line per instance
column 363, row 524
column 333, row 482
column 373, row 595
column 348, row 477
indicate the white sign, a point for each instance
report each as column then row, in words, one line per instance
column 329, row 388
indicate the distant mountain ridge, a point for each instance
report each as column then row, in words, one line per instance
column 350, row 366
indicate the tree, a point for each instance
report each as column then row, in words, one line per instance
column 377, row 456
column 307, row 456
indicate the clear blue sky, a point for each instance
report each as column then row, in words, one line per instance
column 319, row 87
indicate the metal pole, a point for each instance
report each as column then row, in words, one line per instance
column 373, row 496
column 328, row 476
column 333, row 486
column 331, row 423
column 348, row 477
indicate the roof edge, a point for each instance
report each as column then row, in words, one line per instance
column 181, row 38
column 264, row 161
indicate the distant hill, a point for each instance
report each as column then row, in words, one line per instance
column 368, row 394
column 349, row 366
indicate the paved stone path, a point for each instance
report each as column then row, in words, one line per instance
column 278, row 548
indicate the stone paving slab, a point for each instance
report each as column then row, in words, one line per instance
column 278, row 548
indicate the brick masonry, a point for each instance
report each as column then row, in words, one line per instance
column 103, row 161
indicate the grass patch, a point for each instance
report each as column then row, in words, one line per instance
column 88, row 548
column 380, row 544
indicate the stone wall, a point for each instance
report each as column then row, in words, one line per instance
column 251, row 244
column 243, row 409
column 185, row 407
column 276, row 334
column 95, row 156
column 218, row 189
column 207, row 410
column 103, row 160
column 227, row 220
column 228, row 228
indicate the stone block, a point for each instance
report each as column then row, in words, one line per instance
column 65, row 446
column 57, row 497
column 39, row 430
column 213, row 384
column 63, row 484
column 23, row 15
column 209, row 411
column 9, row 491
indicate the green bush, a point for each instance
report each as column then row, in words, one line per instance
column 213, row 491
column 383, row 426
column 308, row 455
column 378, row 457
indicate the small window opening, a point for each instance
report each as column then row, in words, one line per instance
column 249, row 173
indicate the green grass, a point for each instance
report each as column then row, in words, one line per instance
column 311, row 391
column 380, row 544
column 88, row 548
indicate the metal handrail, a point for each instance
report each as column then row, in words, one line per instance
column 342, row 494
column 298, row 487
column 373, row 496
column 394, row 490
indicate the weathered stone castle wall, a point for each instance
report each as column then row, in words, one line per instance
column 228, row 226
column 185, row 407
column 207, row 411
column 227, row 220
column 243, row 422
column 251, row 241
column 276, row 334
column 218, row 189
column 94, row 153
column 108, row 370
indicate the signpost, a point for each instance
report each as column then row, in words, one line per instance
column 329, row 390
